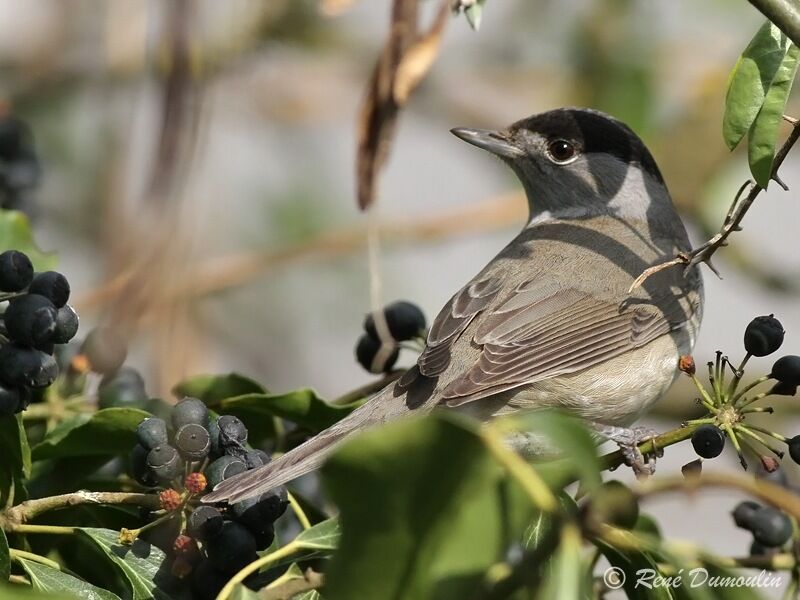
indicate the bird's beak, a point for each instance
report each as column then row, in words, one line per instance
column 491, row 141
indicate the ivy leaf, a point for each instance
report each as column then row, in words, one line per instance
column 630, row 562
column 322, row 536
column 213, row 388
column 53, row 581
column 139, row 563
column 109, row 431
column 750, row 81
column 5, row 558
column 15, row 234
column 423, row 511
column 302, row 407
column 16, row 464
column 763, row 136
column 567, row 573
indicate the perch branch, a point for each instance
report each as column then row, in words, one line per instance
column 784, row 13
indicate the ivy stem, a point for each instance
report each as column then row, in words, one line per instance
column 46, row 529
column 256, row 565
column 759, row 439
column 772, row 434
column 708, row 402
column 29, row 509
column 17, row 554
column 749, row 387
column 298, row 511
column 737, row 376
column 735, row 441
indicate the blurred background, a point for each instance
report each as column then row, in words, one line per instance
column 198, row 173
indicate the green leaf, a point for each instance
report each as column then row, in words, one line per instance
column 213, row 388
column 15, row 234
column 139, row 563
column 109, row 431
column 302, row 407
column 763, row 135
column 750, row 80
column 240, row 592
column 567, row 572
column 309, row 595
column 47, row 579
column 23, row 592
column 322, row 536
column 16, row 464
column 424, row 510
column 5, row 558
column 629, row 562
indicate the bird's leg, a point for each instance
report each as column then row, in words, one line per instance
column 628, row 441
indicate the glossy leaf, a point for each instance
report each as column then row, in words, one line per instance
column 412, row 497
column 763, row 136
column 15, row 465
column 52, row 581
column 15, row 234
column 750, row 80
column 322, row 536
column 139, row 563
column 23, row 592
column 213, row 388
column 631, row 563
column 566, row 574
column 109, row 431
column 302, row 407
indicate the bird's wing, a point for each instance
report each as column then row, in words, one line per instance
column 535, row 331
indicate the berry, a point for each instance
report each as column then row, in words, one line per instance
column 233, row 548
column 763, row 336
column 260, row 511
column 26, row 367
column 123, row 389
column 222, row 468
column 170, row 499
column 10, row 401
column 615, row 503
column 204, row 523
column 189, row 410
column 181, row 568
column 757, row 549
column 16, row 271
column 770, row 527
column 52, row 285
column 708, row 441
column 783, row 389
column 208, row 580
column 195, row 483
column 67, row 324
column 192, row 441
column 743, row 513
column 787, row 370
column 256, row 458
column 152, row 432
column 31, row 320
column 104, row 349
column 404, row 320
column 687, row 365
column 139, row 469
column 794, row 448
column 367, row 348
column 185, row 546
column 232, row 435
column 165, row 462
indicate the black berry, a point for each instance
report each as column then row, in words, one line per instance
column 104, row 349
column 31, row 319
column 222, row 468
column 256, row 458
column 152, row 432
column 770, row 527
column 192, row 441
column 189, row 410
column 743, row 513
column 404, row 320
column 67, row 323
column 232, row 435
column 10, row 401
column 165, row 462
column 123, row 389
column 208, row 580
column 794, row 448
column 233, row 548
column 204, row 523
column 26, row 367
column 763, row 336
column 16, row 271
column 708, row 441
column 787, row 370
column 367, row 349
column 51, row 285
column 139, row 469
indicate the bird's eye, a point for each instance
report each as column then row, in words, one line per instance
column 561, row 151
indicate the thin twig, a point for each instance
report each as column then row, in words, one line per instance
column 739, row 208
column 24, row 511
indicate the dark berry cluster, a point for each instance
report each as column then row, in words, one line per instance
column 19, row 166
column 36, row 318
column 708, row 441
column 770, row 527
column 191, row 454
column 379, row 346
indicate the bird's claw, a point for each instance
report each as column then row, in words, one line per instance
column 628, row 440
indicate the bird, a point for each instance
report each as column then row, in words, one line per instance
column 553, row 320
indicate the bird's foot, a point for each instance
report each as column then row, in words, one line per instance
column 628, row 440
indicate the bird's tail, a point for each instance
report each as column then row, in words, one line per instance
column 311, row 454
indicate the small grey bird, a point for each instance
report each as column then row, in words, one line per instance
column 550, row 321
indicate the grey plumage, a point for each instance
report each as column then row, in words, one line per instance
column 549, row 321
